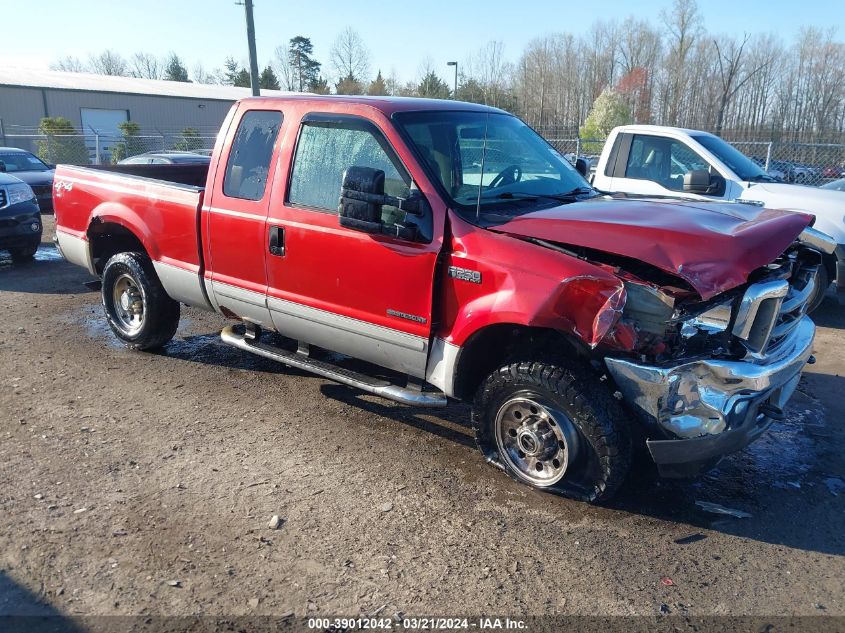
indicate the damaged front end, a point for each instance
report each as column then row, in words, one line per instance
column 708, row 377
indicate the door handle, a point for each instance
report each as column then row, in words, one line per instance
column 277, row 241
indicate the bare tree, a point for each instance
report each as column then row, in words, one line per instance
column 199, row 75
column 683, row 23
column 69, row 64
column 108, row 63
column 286, row 73
column 350, row 57
column 734, row 73
column 145, row 66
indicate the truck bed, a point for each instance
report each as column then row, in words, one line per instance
column 191, row 175
column 157, row 206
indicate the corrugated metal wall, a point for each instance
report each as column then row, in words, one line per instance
column 24, row 107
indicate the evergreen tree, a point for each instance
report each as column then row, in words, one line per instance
column 319, row 86
column 230, row 72
column 175, row 69
column 305, row 69
column 349, row 86
column 268, row 79
column 242, row 79
column 377, row 86
column 433, row 86
column 61, row 143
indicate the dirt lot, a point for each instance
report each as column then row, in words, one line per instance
column 137, row 483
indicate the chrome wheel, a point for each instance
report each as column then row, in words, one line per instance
column 128, row 304
column 536, row 441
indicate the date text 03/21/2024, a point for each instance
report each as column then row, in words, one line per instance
column 425, row 623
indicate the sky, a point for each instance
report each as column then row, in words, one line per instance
column 400, row 35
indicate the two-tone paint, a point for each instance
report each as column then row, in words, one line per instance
column 387, row 300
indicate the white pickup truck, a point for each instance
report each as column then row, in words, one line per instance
column 653, row 160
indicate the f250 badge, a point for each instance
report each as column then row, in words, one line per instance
column 465, row 274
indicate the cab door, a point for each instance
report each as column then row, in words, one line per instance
column 366, row 295
column 656, row 165
column 237, row 215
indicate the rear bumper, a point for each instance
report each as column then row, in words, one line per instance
column 709, row 408
column 75, row 249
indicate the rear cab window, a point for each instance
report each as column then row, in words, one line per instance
column 248, row 166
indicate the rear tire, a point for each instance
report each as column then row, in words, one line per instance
column 137, row 307
column 23, row 254
column 554, row 427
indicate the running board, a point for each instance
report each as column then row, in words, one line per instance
column 382, row 388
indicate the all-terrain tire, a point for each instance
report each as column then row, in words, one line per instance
column 575, row 394
column 147, row 325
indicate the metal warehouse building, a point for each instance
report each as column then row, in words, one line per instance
column 96, row 104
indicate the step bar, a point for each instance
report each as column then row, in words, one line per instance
column 405, row 395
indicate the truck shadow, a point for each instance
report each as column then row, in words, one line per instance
column 48, row 273
column 790, row 480
column 21, row 611
column 791, row 472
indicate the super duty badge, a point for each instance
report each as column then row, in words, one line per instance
column 465, row 274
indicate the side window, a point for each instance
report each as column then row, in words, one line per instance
column 662, row 160
column 648, row 159
column 249, row 158
column 684, row 160
column 323, row 153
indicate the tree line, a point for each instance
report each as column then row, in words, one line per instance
column 669, row 72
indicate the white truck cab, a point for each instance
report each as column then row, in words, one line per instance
column 654, row 160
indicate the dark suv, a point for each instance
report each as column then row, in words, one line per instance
column 20, row 219
column 32, row 170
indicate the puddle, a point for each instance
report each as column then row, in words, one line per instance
column 45, row 253
column 48, row 253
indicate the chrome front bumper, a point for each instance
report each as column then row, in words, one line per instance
column 709, row 407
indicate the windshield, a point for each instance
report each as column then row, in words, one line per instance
column 491, row 164
column 735, row 160
column 22, row 161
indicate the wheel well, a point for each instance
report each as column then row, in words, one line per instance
column 829, row 262
column 498, row 345
column 107, row 239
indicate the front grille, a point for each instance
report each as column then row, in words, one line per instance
column 3, row 198
column 771, row 309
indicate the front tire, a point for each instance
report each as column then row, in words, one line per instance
column 137, row 307
column 24, row 254
column 554, row 427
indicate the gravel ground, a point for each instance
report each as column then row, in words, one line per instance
column 138, row 483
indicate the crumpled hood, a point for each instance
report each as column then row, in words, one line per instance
column 712, row 246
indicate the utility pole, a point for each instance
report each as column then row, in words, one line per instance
column 455, row 64
column 253, row 58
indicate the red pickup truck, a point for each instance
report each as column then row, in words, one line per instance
column 449, row 243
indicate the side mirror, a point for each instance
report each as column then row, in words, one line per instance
column 702, row 182
column 581, row 167
column 2, row 166
column 361, row 199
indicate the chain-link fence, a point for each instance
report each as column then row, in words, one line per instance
column 101, row 149
column 801, row 163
